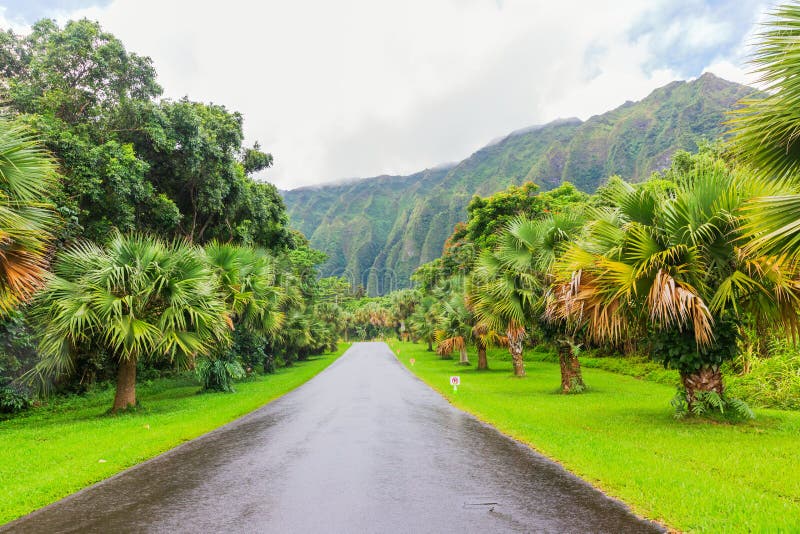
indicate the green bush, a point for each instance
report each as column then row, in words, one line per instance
column 772, row 382
column 13, row 400
column 219, row 374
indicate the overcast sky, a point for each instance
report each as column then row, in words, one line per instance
column 356, row 88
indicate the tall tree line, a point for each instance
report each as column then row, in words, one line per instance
column 134, row 236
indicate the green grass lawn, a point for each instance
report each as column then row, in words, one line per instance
column 621, row 436
column 56, row 450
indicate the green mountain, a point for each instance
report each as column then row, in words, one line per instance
column 377, row 231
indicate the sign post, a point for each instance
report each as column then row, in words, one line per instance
column 455, row 381
column 412, row 361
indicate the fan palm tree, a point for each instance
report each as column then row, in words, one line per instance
column 764, row 135
column 454, row 328
column 27, row 176
column 334, row 317
column 423, row 321
column 504, row 296
column 671, row 265
column 137, row 297
column 403, row 303
column 484, row 336
column 525, row 252
column 247, row 281
column 532, row 247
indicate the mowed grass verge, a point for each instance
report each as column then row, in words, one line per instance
column 621, row 436
column 56, row 450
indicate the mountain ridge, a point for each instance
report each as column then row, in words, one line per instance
column 377, row 230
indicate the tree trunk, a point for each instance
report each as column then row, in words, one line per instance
column 126, row 385
column 515, row 339
column 463, row 356
column 430, row 345
column 571, row 377
column 483, row 363
column 705, row 379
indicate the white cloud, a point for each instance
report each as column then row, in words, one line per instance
column 7, row 23
column 364, row 87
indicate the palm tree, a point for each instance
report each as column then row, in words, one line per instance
column 454, row 328
column 27, row 176
column 335, row 318
column 504, row 296
column 137, row 297
column 423, row 321
column 764, row 135
column 671, row 265
column 247, row 280
column 532, row 247
column 374, row 317
column 525, row 252
column 403, row 303
column 484, row 336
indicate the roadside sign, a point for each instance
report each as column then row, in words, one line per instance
column 455, row 381
column 412, row 361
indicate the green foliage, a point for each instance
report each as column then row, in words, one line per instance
column 771, row 382
column 76, row 74
column 711, row 404
column 13, row 400
column 764, row 127
column 764, row 134
column 486, row 217
column 17, row 355
column 174, row 169
column 679, row 350
column 27, row 175
column 219, row 374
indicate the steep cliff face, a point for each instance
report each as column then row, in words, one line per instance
column 376, row 231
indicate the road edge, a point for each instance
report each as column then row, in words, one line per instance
column 8, row 526
column 532, row 447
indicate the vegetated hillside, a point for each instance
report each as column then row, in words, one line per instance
column 377, row 231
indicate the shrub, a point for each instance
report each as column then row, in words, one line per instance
column 13, row 400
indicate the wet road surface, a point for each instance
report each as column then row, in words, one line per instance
column 363, row 447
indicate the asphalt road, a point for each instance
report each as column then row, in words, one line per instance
column 363, row 447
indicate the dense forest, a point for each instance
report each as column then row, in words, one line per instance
column 135, row 239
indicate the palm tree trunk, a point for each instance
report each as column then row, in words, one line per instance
column 515, row 338
column 571, row 377
column 126, row 385
column 463, row 356
column 430, row 345
column 483, row 363
column 705, row 379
